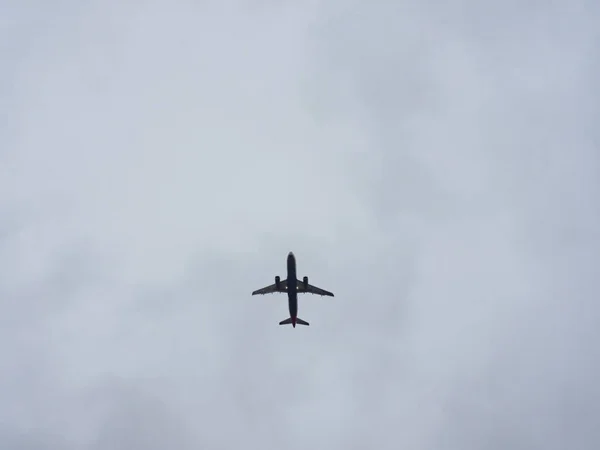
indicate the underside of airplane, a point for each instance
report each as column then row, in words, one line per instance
column 302, row 287
column 292, row 287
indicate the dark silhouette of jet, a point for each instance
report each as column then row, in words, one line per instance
column 292, row 286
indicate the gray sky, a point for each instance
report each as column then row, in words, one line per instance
column 435, row 164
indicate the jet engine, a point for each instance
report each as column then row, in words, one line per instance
column 278, row 282
column 305, row 281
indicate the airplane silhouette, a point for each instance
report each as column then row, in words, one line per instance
column 292, row 286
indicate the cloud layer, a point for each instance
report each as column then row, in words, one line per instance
column 436, row 166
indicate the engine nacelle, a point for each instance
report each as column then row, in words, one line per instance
column 305, row 281
column 278, row 282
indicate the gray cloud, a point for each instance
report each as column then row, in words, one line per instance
column 436, row 166
column 503, row 329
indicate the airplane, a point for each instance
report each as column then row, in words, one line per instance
column 292, row 286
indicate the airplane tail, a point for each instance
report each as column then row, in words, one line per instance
column 298, row 321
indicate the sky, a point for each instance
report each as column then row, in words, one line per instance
column 434, row 164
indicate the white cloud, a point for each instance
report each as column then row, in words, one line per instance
column 435, row 167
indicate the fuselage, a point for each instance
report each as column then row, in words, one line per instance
column 292, row 288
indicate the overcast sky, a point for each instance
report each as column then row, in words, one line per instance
column 434, row 164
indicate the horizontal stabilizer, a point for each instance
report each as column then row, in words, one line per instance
column 298, row 322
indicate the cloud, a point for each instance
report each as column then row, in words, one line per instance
column 433, row 165
column 500, row 136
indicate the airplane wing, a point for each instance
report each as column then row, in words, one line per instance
column 310, row 289
column 272, row 289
